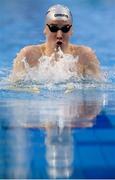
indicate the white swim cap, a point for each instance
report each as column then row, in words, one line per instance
column 59, row 12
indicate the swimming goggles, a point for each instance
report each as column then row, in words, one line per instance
column 55, row 28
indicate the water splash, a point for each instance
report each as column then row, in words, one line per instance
column 55, row 73
column 57, row 68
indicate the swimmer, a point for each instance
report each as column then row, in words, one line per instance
column 57, row 30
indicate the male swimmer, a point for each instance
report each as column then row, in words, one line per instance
column 58, row 30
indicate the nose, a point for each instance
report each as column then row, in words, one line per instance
column 59, row 35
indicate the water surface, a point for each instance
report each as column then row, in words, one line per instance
column 64, row 130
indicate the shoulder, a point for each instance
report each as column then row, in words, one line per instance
column 81, row 49
column 85, row 53
column 30, row 51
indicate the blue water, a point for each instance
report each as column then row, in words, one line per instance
column 52, row 133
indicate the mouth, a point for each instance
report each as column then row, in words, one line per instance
column 59, row 43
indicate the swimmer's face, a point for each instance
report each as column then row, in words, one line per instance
column 58, row 33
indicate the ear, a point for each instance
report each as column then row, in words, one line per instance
column 70, row 33
column 44, row 31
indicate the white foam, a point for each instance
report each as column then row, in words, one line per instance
column 56, row 72
column 57, row 68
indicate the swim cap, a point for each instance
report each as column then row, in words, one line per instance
column 59, row 12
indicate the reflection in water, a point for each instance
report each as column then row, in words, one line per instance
column 59, row 152
column 57, row 116
column 73, row 110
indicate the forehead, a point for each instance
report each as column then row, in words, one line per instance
column 59, row 22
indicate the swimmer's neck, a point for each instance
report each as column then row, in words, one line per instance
column 50, row 50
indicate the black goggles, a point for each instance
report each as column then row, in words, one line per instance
column 55, row 28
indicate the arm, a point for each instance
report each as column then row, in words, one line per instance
column 19, row 68
column 25, row 59
column 88, row 64
column 18, row 64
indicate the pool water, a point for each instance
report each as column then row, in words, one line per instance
column 64, row 130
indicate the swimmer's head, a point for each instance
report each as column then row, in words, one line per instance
column 59, row 12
